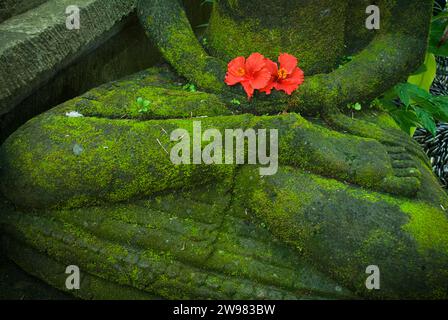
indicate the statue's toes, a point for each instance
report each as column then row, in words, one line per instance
column 403, row 164
column 404, row 143
column 406, row 177
column 403, row 186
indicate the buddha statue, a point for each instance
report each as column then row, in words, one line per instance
column 90, row 182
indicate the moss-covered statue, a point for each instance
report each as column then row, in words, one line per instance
column 100, row 192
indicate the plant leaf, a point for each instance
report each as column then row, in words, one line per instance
column 438, row 27
column 426, row 120
column 425, row 79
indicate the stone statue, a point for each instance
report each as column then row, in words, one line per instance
column 98, row 190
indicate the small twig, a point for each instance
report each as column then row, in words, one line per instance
column 163, row 129
column 162, row 146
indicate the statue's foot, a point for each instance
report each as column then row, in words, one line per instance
column 406, row 176
column 388, row 136
column 362, row 161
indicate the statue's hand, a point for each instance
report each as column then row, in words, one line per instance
column 311, row 98
column 213, row 80
column 210, row 75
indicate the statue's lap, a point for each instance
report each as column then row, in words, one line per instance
column 237, row 236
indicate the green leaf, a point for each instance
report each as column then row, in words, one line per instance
column 207, row 1
column 438, row 28
column 139, row 100
column 235, row 102
column 422, row 108
column 402, row 91
column 426, row 120
column 408, row 92
column 440, row 106
column 425, row 79
column 190, row 87
column 355, row 106
column 442, row 15
column 406, row 119
column 146, row 103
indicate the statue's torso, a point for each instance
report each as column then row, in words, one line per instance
column 313, row 33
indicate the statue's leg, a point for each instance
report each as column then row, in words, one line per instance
column 386, row 135
column 98, row 147
column 57, row 160
column 189, row 244
column 344, row 229
column 346, row 157
column 113, row 153
column 159, row 86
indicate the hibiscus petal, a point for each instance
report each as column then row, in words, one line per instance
column 268, row 88
column 255, row 63
column 261, row 79
column 232, row 80
column 236, row 65
column 286, row 87
column 287, row 62
column 298, row 76
column 248, row 88
column 271, row 66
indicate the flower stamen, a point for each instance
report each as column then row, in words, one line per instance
column 282, row 74
column 241, row 72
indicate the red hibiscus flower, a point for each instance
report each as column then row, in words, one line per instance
column 251, row 73
column 288, row 78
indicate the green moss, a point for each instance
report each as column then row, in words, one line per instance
column 345, row 229
column 428, row 226
column 118, row 100
column 110, row 242
column 168, row 26
column 116, row 163
column 221, row 231
column 235, row 30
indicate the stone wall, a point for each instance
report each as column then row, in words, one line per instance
column 10, row 8
column 43, row 64
column 125, row 53
column 37, row 44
